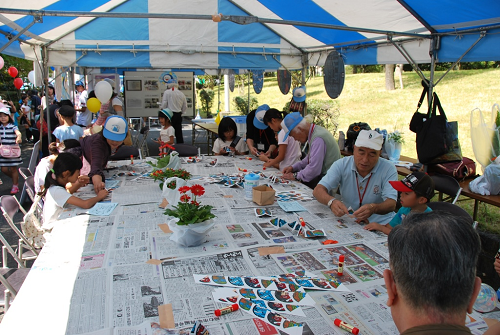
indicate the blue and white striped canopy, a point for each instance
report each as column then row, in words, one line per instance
column 276, row 33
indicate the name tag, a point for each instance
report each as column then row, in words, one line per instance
column 260, row 146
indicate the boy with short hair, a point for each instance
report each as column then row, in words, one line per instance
column 67, row 130
column 416, row 189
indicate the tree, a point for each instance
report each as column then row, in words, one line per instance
column 389, row 77
column 7, row 89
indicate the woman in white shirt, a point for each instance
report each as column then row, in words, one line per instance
column 228, row 141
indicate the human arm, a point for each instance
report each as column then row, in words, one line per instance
column 184, row 104
column 271, row 149
column 367, row 210
column 19, row 136
column 80, row 182
column 85, row 204
column 337, row 207
column 386, row 229
column 250, row 143
column 310, row 167
column 98, row 182
column 96, row 151
column 497, row 265
column 164, row 100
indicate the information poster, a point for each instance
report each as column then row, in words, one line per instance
column 144, row 91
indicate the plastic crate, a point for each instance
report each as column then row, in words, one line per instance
column 241, row 124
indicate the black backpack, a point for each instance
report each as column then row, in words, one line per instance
column 352, row 134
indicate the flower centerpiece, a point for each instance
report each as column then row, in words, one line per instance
column 191, row 219
column 393, row 145
column 162, row 175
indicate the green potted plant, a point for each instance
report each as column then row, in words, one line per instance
column 393, row 145
column 190, row 220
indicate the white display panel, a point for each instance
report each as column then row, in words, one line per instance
column 144, row 92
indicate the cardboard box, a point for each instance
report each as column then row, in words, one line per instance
column 263, row 195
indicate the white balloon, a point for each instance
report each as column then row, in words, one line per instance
column 1, row 62
column 31, row 77
column 103, row 91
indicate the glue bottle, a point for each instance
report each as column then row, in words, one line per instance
column 340, row 270
column 251, row 180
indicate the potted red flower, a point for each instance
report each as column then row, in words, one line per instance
column 191, row 220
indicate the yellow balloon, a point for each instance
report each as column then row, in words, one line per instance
column 94, row 105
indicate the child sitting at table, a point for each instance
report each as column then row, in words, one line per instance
column 416, row 189
column 66, row 170
column 228, row 141
column 288, row 150
column 68, row 130
column 167, row 132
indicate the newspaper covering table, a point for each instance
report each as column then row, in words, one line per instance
column 109, row 274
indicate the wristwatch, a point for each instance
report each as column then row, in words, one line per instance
column 330, row 202
column 295, row 176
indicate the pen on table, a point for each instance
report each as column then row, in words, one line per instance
column 345, row 326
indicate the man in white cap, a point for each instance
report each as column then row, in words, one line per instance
column 364, row 182
column 175, row 100
column 260, row 138
column 323, row 149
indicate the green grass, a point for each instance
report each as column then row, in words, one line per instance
column 364, row 98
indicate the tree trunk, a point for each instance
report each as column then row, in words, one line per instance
column 354, row 69
column 389, row 77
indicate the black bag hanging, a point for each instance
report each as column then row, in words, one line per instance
column 418, row 119
column 434, row 145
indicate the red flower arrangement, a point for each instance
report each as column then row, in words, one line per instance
column 192, row 211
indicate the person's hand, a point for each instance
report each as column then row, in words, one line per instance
column 373, row 226
column 289, row 176
column 338, row 208
column 268, row 154
column 264, row 158
column 267, row 164
column 364, row 212
column 222, row 151
column 83, row 180
column 288, row 169
column 254, row 151
column 497, row 266
column 102, row 194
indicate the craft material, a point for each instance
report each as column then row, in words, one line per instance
column 340, row 270
column 345, row 326
column 226, row 310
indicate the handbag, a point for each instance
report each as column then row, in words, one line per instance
column 32, row 227
column 465, row 168
column 437, row 139
column 10, row 151
column 418, row 119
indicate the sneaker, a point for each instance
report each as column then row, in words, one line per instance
column 14, row 189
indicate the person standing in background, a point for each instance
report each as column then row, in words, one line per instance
column 83, row 115
column 175, row 100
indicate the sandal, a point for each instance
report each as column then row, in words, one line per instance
column 14, row 189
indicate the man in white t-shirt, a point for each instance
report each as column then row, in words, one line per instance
column 83, row 115
column 176, row 101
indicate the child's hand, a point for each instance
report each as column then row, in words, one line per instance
column 264, row 158
column 83, row 180
column 373, row 226
column 102, row 194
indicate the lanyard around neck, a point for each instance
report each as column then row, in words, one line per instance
column 361, row 197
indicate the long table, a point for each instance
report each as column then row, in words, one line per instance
column 209, row 127
column 121, row 274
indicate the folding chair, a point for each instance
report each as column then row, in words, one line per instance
column 143, row 144
column 10, row 206
column 26, row 172
column 447, row 185
column 452, row 209
column 11, row 281
column 29, row 183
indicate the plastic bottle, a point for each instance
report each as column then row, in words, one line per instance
column 251, row 180
column 341, row 140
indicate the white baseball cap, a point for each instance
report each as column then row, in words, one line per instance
column 369, row 139
column 115, row 128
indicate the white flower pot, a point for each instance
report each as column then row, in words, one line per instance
column 393, row 150
column 172, row 196
column 191, row 235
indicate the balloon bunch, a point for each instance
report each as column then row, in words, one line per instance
column 18, row 82
column 103, row 92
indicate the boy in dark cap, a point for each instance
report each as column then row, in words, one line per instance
column 67, row 130
column 416, row 189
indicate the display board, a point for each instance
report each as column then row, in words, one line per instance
column 144, row 91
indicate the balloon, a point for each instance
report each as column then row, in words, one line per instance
column 486, row 300
column 12, row 72
column 103, row 91
column 18, row 83
column 31, row 77
column 93, row 105
column 1, row 62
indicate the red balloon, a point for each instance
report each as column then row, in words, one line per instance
column 12, row 71
column 18, row 83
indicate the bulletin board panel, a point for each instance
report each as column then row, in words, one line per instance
column 144, row 91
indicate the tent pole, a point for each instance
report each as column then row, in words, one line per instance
column 13, row 39
column 432, row 52
column 218, row 92
column 45, row 68
column 304, row 69
column 248, row 91
column 410, row 61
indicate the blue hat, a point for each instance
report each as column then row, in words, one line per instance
column 289, row 122
column 258, row 120
column 168, row 113
column 80, row 83
column 299, row 94
column 115, row 128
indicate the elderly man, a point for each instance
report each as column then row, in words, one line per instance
column 175, row 100
column 364, row 182
column 432, row 282
column 323, row 149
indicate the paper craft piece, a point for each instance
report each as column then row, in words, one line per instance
column 166, row 315
column 312, row 284
column 295, row 298
column 103, row 208
column 277, row 320
column 292, row 196
column 245, row 282
column 165, row 228
column 195, row 159
column 312, row 233
column 264, row 251
column 154, row 261
column 260, row 212
column 111, row 184
column 280, row 223
column 163, row 204
column 298, row 274
column 231, row 296
column 291, row 206
column 350, row 211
